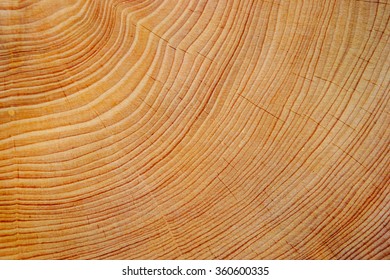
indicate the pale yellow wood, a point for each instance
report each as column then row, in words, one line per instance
column 194, row 129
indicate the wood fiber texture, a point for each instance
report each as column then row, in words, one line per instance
column 194, row 129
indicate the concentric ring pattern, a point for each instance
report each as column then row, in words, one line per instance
column 231, row 129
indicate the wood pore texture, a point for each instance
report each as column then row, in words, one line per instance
column 194, row 129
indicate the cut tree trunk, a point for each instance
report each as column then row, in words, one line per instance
column 194, row 129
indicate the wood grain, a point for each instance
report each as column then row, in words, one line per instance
column 194, row 129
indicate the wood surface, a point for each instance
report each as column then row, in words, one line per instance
column 183, row 129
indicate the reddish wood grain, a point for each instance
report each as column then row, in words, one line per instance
column 194, row 129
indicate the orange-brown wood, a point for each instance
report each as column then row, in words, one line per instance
column 194, row 129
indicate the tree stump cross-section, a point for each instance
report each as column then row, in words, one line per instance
column 210, row 129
